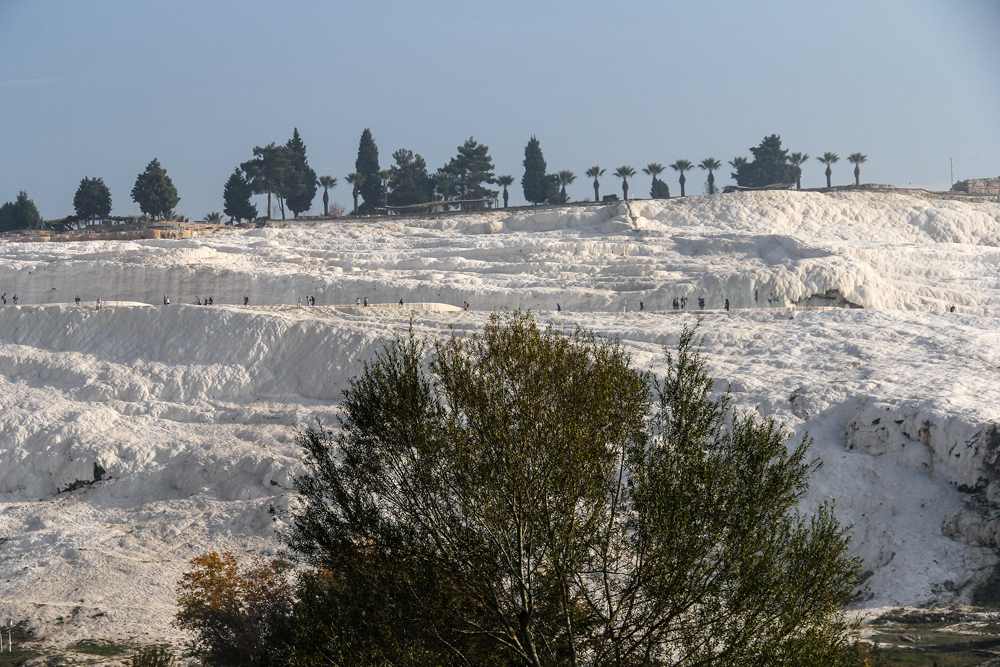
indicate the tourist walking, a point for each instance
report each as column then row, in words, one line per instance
column 727, row 305
column 77, row 300
column 246, row 299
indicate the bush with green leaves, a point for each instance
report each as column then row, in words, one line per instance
column 526, row 496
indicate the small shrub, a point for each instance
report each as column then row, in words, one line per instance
column 153, row 656
column 238, row 614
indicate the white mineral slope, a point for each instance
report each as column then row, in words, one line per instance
column 762, row 249
column 191, row 411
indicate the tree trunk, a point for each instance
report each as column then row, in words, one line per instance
column 597, row 195
column 857, row 175
column 829, row 172
column 711, row 183
column 624, row 189
column 268, row 204
column 798, row 181
column 683, row 181
column 505, row 196
column 326, row 203
column 562, row 195
column 355, row 193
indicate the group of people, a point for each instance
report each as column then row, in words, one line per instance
column 4, row 297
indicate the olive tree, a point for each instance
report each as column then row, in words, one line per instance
column 525, row 496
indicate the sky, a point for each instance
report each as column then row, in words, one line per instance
column 100, row 88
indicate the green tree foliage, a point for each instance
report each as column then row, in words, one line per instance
column 409, row 182
column 798, row 159
column 237, row 614
column 738, row 163
column 654, row 169
column 446, row 185
column 266, row 172
column 529, row 497
column 566, row 177
column 535, row 183
column 770, row 166
column 625, row 172
column 154, row 192
column 299, row 184
column 681, row 166
column 354, row 179
column 92, row 200
column 710, row 164
column 236, row 198
column 327, row 183
column 829, row 159
column 472, row 167
column 596, row 172
column 20, row 214
column 506, row 181
column 659, row 190
column 857, row 159
column 366, row 165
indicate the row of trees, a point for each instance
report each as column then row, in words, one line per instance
column 526, row 497
column 282, row 172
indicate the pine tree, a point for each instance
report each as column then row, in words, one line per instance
column 535, row 183
column 472, row 167
column 366, row 165
column 154, row 192
column 300, row 180
column 770, row 166
column 92, row 200
column 409, row 183
column 268, row 171
column 236, row 198
column 20, row 214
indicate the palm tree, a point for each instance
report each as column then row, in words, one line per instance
column 711, row 164
column 682, row 166
column 354, row 178
column 593, row 173
column 505, row 181
column 737, row 163
column 213, row 218
column 798, row 159
column 566, row 177
column 857, row 159
column 828, row 159
column 385, row 174
column 445, row 181
column 654, row 169
column 624, row 172
column 326, row 182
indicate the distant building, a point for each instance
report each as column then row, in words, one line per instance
column 979, row 186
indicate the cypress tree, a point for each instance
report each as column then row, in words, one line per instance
column 92, row 200
column 236, row 198
column 300, row 179
column 154, row 192
column 367, row 166
column 535, row 182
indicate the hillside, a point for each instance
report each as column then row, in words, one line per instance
column 190, row 411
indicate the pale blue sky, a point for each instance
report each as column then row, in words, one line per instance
column 99, row 88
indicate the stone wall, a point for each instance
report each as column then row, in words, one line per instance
column 978, row 186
